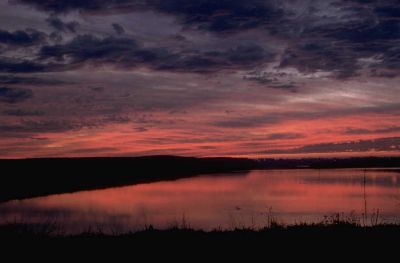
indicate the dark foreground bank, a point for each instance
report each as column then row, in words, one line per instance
column 317, row 241
column 39, row 177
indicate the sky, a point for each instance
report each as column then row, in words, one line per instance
column 240, row 78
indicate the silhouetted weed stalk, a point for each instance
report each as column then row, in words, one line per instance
column 182, row 224
column 271, row 220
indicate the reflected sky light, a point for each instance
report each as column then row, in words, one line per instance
column 210, row 202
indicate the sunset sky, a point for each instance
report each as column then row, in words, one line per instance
column 252, row 78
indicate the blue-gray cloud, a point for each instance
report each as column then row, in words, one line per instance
column 118, row 28
column 218, row 16
column 32, row 81
column 128, row 53
column 14, row 95
column 59, row 25
column 22, row 38
column 331, row 42
column 9, row 65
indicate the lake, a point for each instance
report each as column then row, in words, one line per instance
column 222, row 201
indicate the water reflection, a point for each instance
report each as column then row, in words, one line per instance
column 222, row 201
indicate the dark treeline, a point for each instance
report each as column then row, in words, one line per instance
column 325, row 163
column 26, row 178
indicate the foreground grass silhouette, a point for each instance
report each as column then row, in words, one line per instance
column 334, row 226
column 300, row 242
column 332, row 239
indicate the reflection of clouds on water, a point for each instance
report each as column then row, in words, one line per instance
column 222, row 201
column 384, row 181
column 288, row 193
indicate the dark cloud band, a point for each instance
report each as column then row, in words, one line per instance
column 14, row 95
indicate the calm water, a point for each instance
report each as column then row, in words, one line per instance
column 224, row 201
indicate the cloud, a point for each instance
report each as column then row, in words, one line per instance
column 378, row 145
column 336, row 46
column 310, row 57
column 96, row 88
column 93, row 151
column 59, row 25
column 23, row 112
column 86, row 47
column 36, row 121
column 38, row 126
column 14, row 95
column 367, row 131
column 217, row 16
column 22, row 38
column 248, row 121
column 327, row 36
column 128, row 53
column 141, row 129
column 254, row 121
column 20, row 66
column 118, row 29
column 64, row 6
column 31, row 81
column 284, row 136
column 277, row 80
column 221, row 16
column 234, row 58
